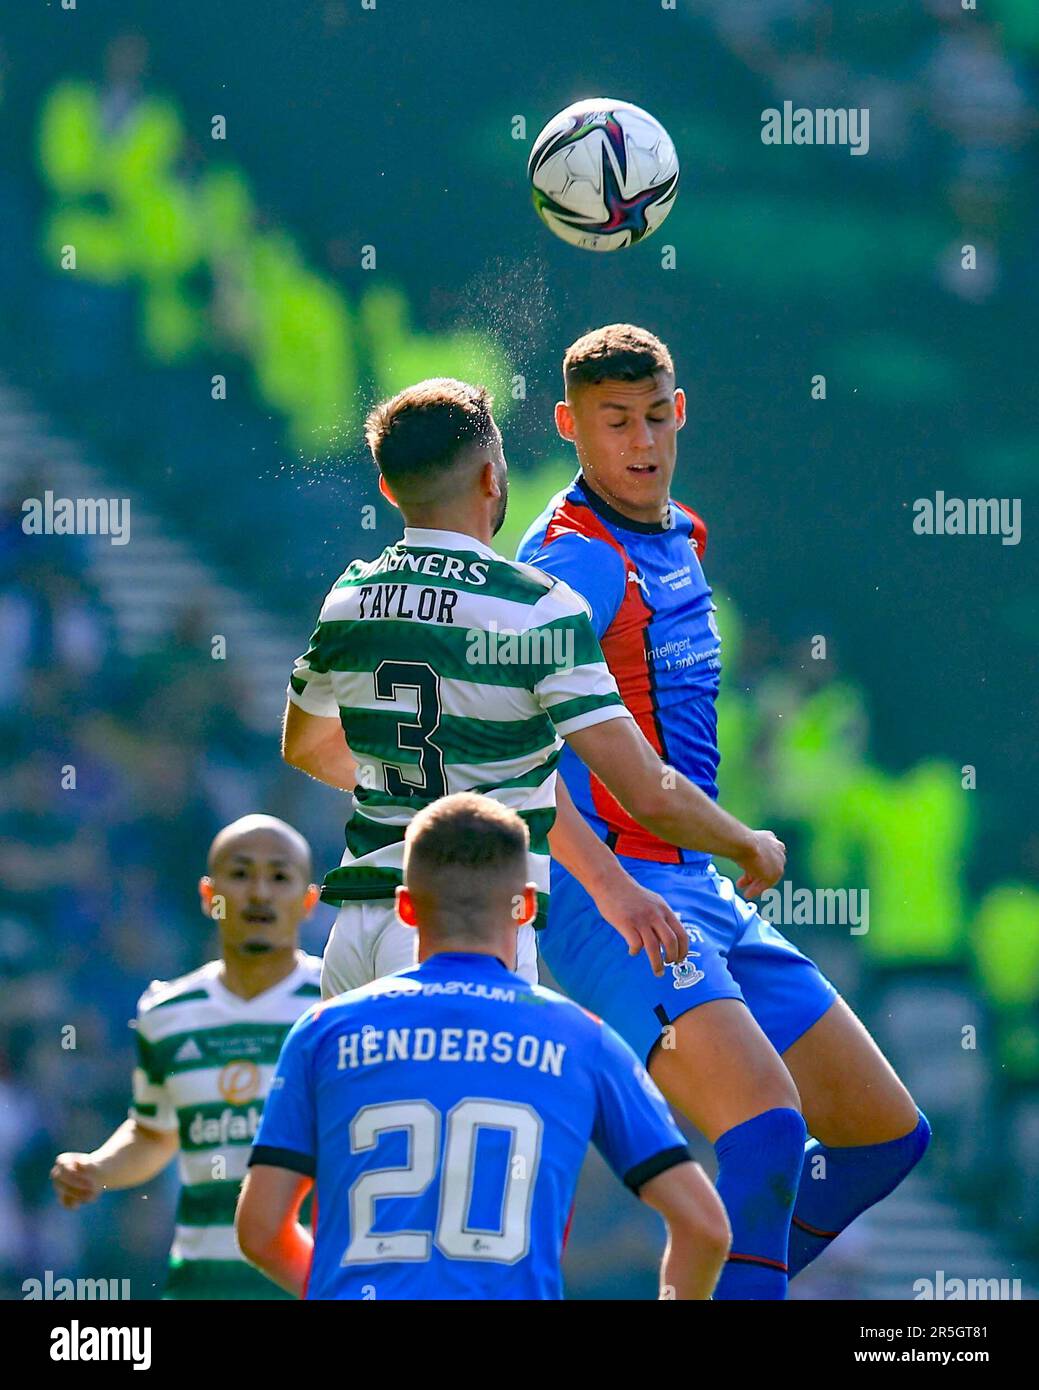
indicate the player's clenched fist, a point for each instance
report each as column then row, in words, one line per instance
column 75, row 1179
column 762, row 863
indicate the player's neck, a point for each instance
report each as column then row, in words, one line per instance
column 449, row 946
column 249, row 975
column 454, row 518
column 643, row 516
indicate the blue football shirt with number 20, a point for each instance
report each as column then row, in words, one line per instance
column 444, row 1113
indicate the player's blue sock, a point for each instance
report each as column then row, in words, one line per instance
column 834, row 1192
column 759, row 1163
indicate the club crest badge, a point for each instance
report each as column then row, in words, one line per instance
column 686, row 973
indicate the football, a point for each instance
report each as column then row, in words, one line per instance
column 604, row 174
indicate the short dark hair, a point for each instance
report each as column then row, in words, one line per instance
column 618, row 352
column 466, row 831
column 422, row 429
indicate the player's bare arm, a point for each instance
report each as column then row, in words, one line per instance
column 268, row 1227
column 668, row 804
column 642, row 917
column 132, row 1155
column 698, row 1235
column 316, row 745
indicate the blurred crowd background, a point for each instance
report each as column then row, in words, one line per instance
column 361, row 220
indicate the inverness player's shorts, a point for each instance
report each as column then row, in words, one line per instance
column 368, row 940
column 733, row 954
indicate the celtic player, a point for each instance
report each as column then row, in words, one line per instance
column 207, row 1047
column 449, row 668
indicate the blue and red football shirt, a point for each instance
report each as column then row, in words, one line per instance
column 653, row 615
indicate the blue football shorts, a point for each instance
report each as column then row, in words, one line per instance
column 733, row 954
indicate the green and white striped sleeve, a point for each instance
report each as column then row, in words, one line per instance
column 310, row 685
column 151, row 1101
column 572, row 682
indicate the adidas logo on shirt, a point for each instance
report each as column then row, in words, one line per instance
column 188, row 1052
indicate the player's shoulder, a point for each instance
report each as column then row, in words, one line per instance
column 599, row 1050
column 584, row 1026
column 561, row 601
column 353, row 1003
column 568, row 525
column 306, row 984
column 355, row 574
column 600, row 1044
column 534, row 536
column 163, row 998
column 303, row 1001
column 688, row 511
column 697, row 526
column 546, row 597
column 576, row 547
column 552, row 999
column 583, row 552
column 531, row 583
column 309, row 968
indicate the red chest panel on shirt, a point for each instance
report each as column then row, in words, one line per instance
column 624, row 646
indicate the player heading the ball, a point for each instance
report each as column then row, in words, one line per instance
column 398, row 700
column 749, row 1041
column 443, row 1112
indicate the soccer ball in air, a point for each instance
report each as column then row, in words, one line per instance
column 604, row 174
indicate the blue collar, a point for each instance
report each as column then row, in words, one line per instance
column 616, row 518
column 468, row 958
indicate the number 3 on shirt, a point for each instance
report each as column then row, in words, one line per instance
column 421, row 1122
column 417, row 733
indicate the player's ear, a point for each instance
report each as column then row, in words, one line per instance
column 565, row 420
column 406, row 907
column 385, row 490
column 489, row 483
column 679, row 407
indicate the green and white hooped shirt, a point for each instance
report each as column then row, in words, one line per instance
column 452, row 669
column 205, row 1059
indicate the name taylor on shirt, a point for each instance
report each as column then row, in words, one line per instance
column 401, row 601
column 428, row 605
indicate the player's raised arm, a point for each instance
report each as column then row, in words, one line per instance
column 641, row 916
column 668, row 804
